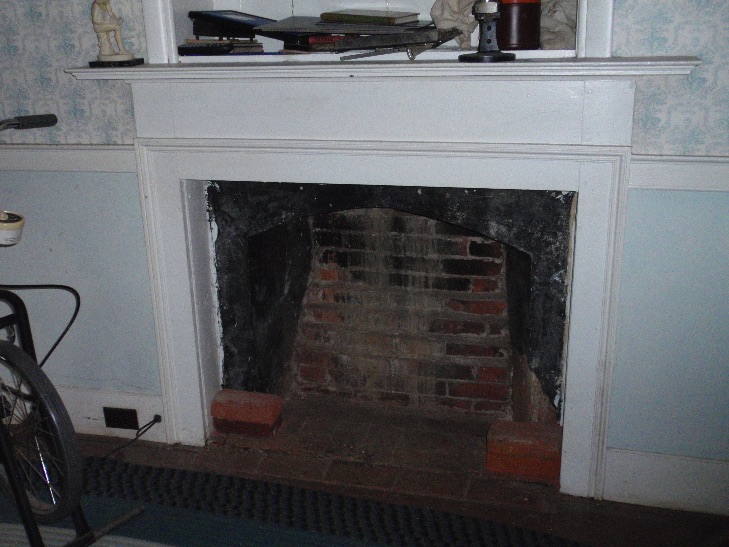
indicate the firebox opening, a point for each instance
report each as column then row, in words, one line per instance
column 319, row 291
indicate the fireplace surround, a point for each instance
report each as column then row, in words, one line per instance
column 554, row 126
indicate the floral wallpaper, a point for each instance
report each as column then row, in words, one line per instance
column 40, row 38
column 686, row 115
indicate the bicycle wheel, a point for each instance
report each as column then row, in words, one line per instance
column 42, row 437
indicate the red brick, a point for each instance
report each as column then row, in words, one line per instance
column 525, row 450
column 541, row 470
column 235, row 411
column 443, row 326
column 326, row 295
column 377, row 343
column 306, row 356
column 408, row 347
column 314, row 375
column 492, row 374
column 491, row 249
column 472, row 390
column 329, row 274
column 490, row 406
column 484, row 284
column 474, row 350
column 329, row 295
column 315, row 333
column 480, row 307
column 453, row 372
column 327, row 316
column 470, row 266
column 525, row 438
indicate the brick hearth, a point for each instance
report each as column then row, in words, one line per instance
column 359, row 450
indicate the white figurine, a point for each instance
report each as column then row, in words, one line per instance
column 105, row 22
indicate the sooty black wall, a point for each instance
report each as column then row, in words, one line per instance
column 258, row 306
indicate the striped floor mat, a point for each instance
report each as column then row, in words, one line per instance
column 320, row 517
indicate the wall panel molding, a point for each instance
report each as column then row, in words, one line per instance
column 661, row 480
column 689, row 173
column 68, row 158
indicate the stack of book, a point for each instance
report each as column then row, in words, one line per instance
column 346, row 30
column 231, row 32
column 334, row 30
column 223, row 32
column 207, row 45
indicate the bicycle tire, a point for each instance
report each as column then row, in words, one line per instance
column 42, row 437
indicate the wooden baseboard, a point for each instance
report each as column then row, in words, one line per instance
column 85, row 407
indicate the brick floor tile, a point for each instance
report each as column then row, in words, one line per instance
column 241, row 462
column 432, row 483
column 161, row 455
column 362, row 474
column 512, row 494
column 293, row 466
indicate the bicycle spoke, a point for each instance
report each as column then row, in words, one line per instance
column 39, row 466
column 46, row 477
column 41, row 436
column 32, row 476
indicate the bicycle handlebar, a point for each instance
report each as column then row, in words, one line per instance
column 29, row 122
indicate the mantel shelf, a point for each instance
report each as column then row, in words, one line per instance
column 574, row 68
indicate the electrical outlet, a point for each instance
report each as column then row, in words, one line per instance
column 121, row 418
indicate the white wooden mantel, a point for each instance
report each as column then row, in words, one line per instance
column 563, row 125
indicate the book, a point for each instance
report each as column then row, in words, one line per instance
column 300, row 24
column 225, row 23
column 211, row 46
column 311, row 42
column 372, row 17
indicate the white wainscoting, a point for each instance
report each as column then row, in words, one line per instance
column 68, row 158
column 665, row 480
column 662, row 480
column 85, row 406
column 628, row 476
column 688, row 173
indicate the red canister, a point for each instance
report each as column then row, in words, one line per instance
column 520, row 24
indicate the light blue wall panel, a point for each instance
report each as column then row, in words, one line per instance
column 85, row 230
column 671, row 377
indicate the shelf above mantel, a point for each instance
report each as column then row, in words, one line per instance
column 295, row 67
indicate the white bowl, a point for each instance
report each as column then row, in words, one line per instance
column 11, row 226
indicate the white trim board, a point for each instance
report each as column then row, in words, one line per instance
column 172, row 173
column 85, row 407
column 689, row 173
column 660, row 480
column 68, row 158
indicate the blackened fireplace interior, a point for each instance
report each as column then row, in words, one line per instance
column 263, row 260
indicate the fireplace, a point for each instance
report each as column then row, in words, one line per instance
column 392, row 313
column 544, row 126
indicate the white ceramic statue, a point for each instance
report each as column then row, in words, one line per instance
column 105, row 22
